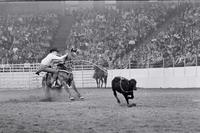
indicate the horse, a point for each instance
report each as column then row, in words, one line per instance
column 100, row 75
column 65, row 77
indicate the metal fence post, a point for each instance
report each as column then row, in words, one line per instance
column 82, row 75
column 196, row 60
column 173, row 63
column 184, row 66
column 196, row 65
column 163, row 62
column 129, row 70
column 184, row 62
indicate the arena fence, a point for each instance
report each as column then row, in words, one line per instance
column 22, row 76
column 18, row 76
column 166, row 62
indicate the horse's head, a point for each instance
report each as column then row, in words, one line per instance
column 96, row 68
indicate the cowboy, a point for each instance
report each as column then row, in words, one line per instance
column 47, row 62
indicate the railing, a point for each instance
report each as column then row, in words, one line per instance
column 86, row 65
column 19, row 67
column 167, row 62
column 34, row 66
column 14, row 76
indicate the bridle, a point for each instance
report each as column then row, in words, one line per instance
column 120, row 84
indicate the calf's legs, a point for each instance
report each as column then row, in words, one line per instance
column 126, row 97
column 115, row 94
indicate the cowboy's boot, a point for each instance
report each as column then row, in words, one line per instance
column 38, row 72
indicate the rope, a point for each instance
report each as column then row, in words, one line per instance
column 103, row 69
column 120, row 84
column 65, row 71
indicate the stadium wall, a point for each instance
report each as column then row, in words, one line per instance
column 178, row 77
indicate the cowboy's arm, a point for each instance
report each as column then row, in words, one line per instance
column 54, row 57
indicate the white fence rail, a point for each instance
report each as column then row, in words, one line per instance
column 174, row 77
column 18, row 76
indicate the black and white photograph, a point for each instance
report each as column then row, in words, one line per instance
column 105, row 66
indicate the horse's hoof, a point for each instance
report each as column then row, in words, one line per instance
column 81, row 97
column 71, row 98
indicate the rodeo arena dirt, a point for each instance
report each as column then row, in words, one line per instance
column 131, row 67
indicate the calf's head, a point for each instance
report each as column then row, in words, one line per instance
column 132, row 84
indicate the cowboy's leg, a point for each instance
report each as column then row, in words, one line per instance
column 40, row 69
column 45, row 68
column 51, row 70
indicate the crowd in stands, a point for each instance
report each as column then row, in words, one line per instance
column 25, row 38
column 112, row 33
column 142, row 35
column 179, row 42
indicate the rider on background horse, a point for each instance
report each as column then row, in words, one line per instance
column 50, row 59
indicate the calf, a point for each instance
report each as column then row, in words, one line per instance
column 125, row 87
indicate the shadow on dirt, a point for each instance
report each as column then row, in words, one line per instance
column 36, row 99
column 125, row 105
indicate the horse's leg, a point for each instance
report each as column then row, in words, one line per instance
column 105, row 81
column 66, row 86
column 47, row 92
column 97, row 82
column 45, row 85
column 75, row 89
column 101, row 81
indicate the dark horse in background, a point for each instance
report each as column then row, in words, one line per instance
column 65, row 77
column 100, row 75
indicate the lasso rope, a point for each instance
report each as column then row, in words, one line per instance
column 65, row 71
column 103, row 69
